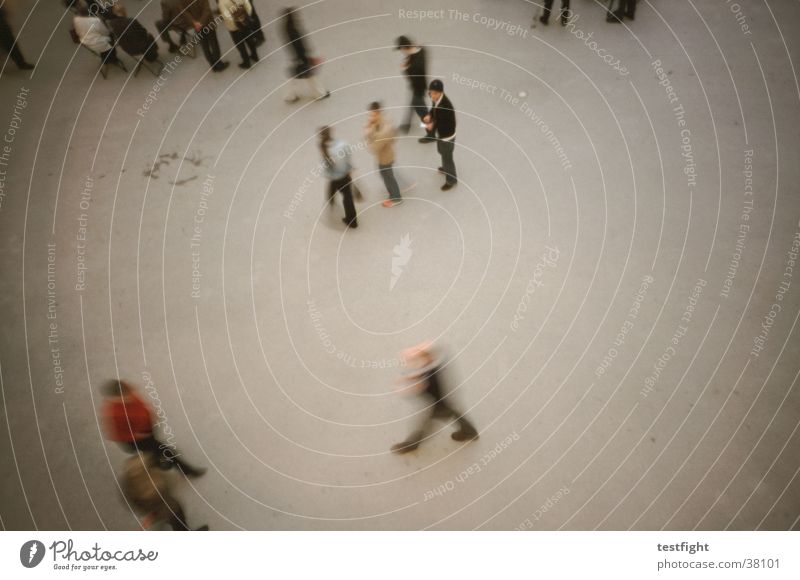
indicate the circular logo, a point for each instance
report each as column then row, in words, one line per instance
column 31, row 553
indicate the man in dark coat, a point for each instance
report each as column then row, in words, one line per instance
column 441, row 122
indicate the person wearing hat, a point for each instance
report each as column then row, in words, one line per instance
column 414, row 66
column 441, row 122
column 425, row 381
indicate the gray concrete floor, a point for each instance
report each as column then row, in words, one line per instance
column 619, row 352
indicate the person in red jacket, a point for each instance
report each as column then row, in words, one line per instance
column 129, row 422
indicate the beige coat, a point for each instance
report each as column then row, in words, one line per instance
column 380, row 138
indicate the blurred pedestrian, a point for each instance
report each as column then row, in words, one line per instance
column 303, row 65
column 379, row 134
column 548, row 5
column 337, row 168
column 129, row 422
column 149, row 491
column 425, row 381
column 625, row 9
column 237, row 15
column 9, row 43
column 415, row 68
column 441, row 121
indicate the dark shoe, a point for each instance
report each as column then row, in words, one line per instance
column 543, row 20
column 629, row 15
column 615, row 17
column 192, row 472
column 448, row 186
column 565, row 17
column 440, row 169
column 404, row 129
column 254, row 57
column 352, row 224
column 220, row 66
column 426, row 139
column 404, row 447
column 25, row 66
column 325, row 96
column 464, row 435
column 173, row 48
column 244, row 65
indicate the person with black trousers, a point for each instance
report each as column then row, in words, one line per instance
column 303, row 65
column 625, row 9
column 548, row 6
column 238, row 17
column 415, row 69
column 199, row 11
column 441, row 122
column 425, row 381
column 337, row 168
column 9, row 43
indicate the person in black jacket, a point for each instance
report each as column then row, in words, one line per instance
column 441, row 122
column 9, row 44
column 426, row 382
column 548, row 6
column 130, row 35
column 302, row 68
column 625, row 9
column 415, row 69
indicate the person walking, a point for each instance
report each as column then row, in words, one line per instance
column 237, row 15
column 415, row 68
column 379, row 135
column 303, row 65
column 548, row 5
column 149, row 491
column 441, row 122
column 128, row 421
column 425, row 381
column 9, row 43
column 337, row 168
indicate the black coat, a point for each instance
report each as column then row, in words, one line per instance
column 444, row 118
column 416, row 72
column 132, row 37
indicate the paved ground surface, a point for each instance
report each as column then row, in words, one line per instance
column 612, row 278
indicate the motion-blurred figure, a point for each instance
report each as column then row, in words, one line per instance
column 425, row 381
column 548, row 6
column 128, row 421
column 302, row 67
column 9, row 43
column 336, row 161
column 625, row 9
column 149, row 492
column 415, row 68
column 379, row 134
